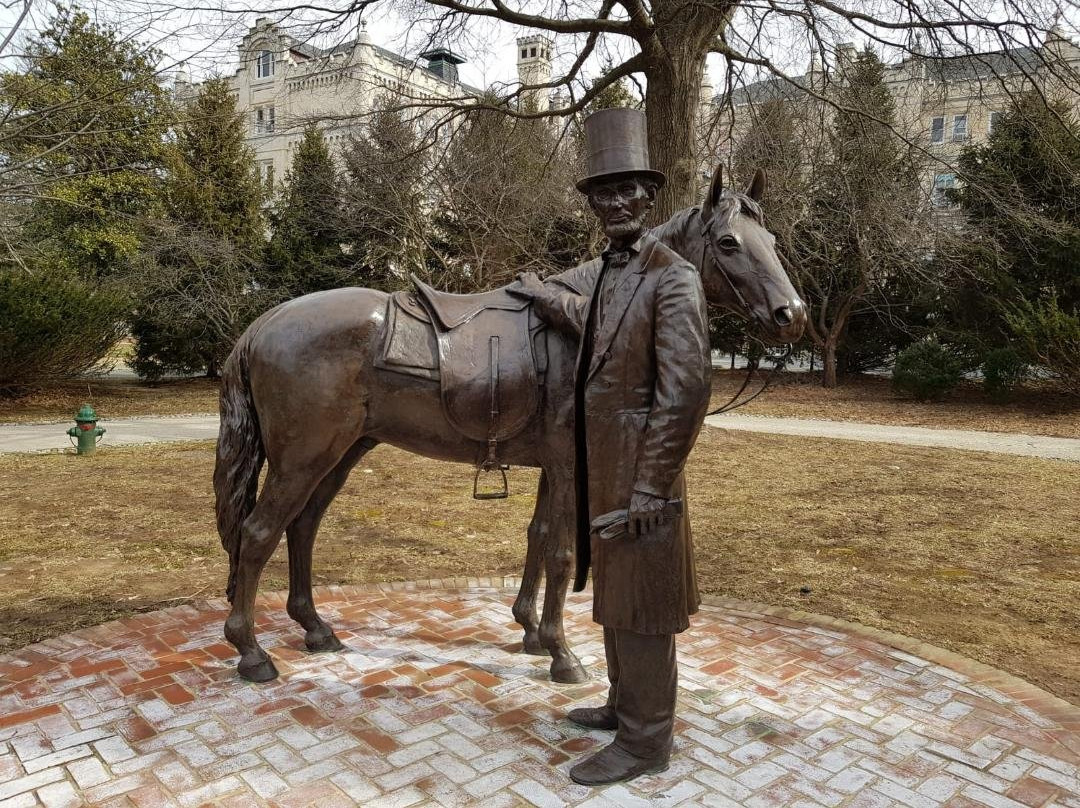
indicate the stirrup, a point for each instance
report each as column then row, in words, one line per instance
column 491, row 462
column 486, row 467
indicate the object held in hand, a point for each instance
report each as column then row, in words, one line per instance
column 613, row 524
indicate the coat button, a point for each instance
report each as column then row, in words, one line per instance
column 607, row 355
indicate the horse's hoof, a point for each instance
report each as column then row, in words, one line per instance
column 531, row 645
column 319, row 641
column 568, row 672
column 262, row 670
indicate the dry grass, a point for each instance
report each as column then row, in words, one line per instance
column 112, row 398
column 871, row 400
column 973, row 552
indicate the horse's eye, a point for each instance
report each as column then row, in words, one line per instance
column 728, row 243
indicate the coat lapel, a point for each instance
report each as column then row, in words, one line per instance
column 620, row 302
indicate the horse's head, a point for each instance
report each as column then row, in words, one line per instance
column 740, row 270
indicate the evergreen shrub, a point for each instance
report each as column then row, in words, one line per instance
column 926, row 370
column 53, row 325
column 1003, row 369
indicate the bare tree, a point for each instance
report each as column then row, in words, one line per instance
column 663, row 46
column 504, row 202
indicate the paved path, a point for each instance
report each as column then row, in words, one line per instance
column 1000, row 442
column 44, row 437
column 431, row 704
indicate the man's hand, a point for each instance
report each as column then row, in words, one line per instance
column 645, row 513
column 528, row 285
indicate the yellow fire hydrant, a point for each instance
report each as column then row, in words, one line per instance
column 86, row 430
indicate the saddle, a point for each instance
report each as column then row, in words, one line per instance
column 485, row 350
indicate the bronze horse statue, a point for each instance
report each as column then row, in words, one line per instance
column 309, row 388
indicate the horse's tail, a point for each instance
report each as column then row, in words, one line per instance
column 240, row 454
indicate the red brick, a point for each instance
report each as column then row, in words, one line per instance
column 483, row 678
column 276, row 705
column 513, row 717
column 377, row 740
column 175, row 694
column 25, row 716
column 82, row 667
column 1031, row 791
column 136, row 729
column 310, row 717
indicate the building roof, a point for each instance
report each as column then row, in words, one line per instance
column 964, row 67
column 314, row 52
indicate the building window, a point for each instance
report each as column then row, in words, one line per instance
column 943, row 183
column 959, row 127
column 264, row 120
column 532, row 51
column 995, row 117
column 524, row 53
column 264, row 65
column 937, row 130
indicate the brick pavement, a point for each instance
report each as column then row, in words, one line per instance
column 430, row 705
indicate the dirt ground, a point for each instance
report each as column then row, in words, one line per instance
column 973, row 552
column 867, row 399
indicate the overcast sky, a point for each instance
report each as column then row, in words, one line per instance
column 206, row 40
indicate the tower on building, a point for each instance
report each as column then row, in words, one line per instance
column 534, row 67
column 443, row 63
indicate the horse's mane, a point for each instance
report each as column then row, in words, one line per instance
column 684, row 227
column 732, row 203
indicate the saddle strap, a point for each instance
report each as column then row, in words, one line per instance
column 491, row 462
column 493, row 426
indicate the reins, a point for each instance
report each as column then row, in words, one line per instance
column 731, row 405
column 708, row 251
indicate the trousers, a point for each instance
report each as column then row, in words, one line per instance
column 644, row 682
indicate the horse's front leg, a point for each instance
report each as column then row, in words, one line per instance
column 558, row 561
column 539, row 535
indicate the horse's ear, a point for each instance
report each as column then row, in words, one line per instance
column 715, row 189
column 757, row 185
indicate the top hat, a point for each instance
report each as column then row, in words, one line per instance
column 616, row 143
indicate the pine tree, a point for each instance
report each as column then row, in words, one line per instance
column 82, row 123
column 305, row 251
column 615, row 95
column 386, row 179
column 506, row 202
column 1021, row 196
column 82, row 119
column 213, row 183
column 196, row 275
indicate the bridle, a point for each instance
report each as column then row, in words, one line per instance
column 709, row 250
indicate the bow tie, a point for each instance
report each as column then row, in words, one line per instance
column 617, row 260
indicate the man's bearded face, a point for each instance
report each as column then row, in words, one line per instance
column 622, row 206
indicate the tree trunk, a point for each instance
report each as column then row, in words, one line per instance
column 828, row 362
column 672, row 101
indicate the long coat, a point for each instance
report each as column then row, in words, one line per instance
column 642, row 389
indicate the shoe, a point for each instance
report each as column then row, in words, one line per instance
column 594, row 717
column 613, row 764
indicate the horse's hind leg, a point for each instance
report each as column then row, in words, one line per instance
column 539, row 535
column 301, row 538
column 282, row 498
column 558, row 559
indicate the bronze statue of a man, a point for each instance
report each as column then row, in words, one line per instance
column 642, row 387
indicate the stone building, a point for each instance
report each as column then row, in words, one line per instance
column 943, row 103
column 282, row 83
